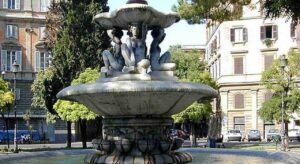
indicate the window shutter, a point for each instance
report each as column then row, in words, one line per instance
column 37, row 61
column 15, row 31
column 17, row 4
column 19, row 59
column 8, row 27
column 262, row 32
column 275, row 32
column 239, row 101
column 5, row 4
column 268, row 61
column 238, row 65
column 245, row 34
column 4, row 59
column 232, row 35
column 18, row 94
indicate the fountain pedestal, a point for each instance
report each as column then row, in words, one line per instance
column 137, row 140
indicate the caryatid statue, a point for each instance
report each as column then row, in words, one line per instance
column 135, row 49
column 159, row 62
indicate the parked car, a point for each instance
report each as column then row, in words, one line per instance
column 233, row 135
column 178, row 133
column 254, row 135
column 273, row 133
column 294, row 135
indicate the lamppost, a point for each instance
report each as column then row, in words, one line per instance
column 3, row 74
column 283, row 65
column 15, row 70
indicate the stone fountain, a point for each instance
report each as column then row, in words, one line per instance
column 137, row 92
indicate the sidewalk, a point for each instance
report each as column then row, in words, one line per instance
column 45, row 146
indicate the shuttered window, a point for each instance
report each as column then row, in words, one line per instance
column 268, row 61
column 269, row 32
column 12, row 31
column 8, row 58
column 42, row 60
column 11, row 4
column 238, row 35
column 238, row 65
column 239, row 101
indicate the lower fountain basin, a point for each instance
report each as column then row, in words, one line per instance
column 131, row 98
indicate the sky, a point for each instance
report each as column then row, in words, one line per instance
column 179, row 33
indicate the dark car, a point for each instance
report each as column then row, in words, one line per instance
column 273, row 134
column 254, row 135
column 178, row 133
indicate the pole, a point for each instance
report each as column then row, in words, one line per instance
column 16, row 120
column 282, row 122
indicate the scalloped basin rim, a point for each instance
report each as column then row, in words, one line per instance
column 137, row 86
column 131, row 98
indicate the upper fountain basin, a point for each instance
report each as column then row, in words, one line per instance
column 131, row 98
column 136, row 13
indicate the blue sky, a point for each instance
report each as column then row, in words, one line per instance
column 180, row 33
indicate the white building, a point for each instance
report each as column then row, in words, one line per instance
column 237, row 52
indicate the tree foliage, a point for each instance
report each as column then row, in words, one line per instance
column 73, row 111
column 191, row 69
column 6, row 97
column 75, row 39
column 278, row 83
column 195, row 11
column 286, row 8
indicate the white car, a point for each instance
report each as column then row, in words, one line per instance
column 294, row 135
column 272, row 134
column 233, row 135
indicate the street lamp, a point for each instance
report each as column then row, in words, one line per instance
column 15, row 70
column 283, row 65
column 3, row 73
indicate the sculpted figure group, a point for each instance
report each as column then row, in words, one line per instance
column 131, row 57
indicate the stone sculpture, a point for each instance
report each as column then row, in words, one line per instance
column 138, row 93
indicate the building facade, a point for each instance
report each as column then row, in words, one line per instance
column 237, row 53
column 22, row 39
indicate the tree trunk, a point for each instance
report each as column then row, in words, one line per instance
column 69, row 135
column 6, row 126
column 286, row 137
column 83, row 132
column 298, row 35
column 192, row 135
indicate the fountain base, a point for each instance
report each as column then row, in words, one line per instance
column 137, row 140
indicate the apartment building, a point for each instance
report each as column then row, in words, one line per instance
column 237, row 53
column 22, row 38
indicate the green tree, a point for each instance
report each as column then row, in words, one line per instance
column 76, row 42
column 195, row 11
column 6, row 99
column 73, row 111
column 282, row 83
column 286, row 8
column 191, row 69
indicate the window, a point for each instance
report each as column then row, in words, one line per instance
column 238, row 65
column 11, row 4
column 44, row 5
column 43, row 33
column 239, row 101
column 268, row 32
column 268, row 61
column 238, row 35
column 293, row 30
column 12, row 31
column 8, row 57
column 18, row 94
column 239, row 123
column 42, row 60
